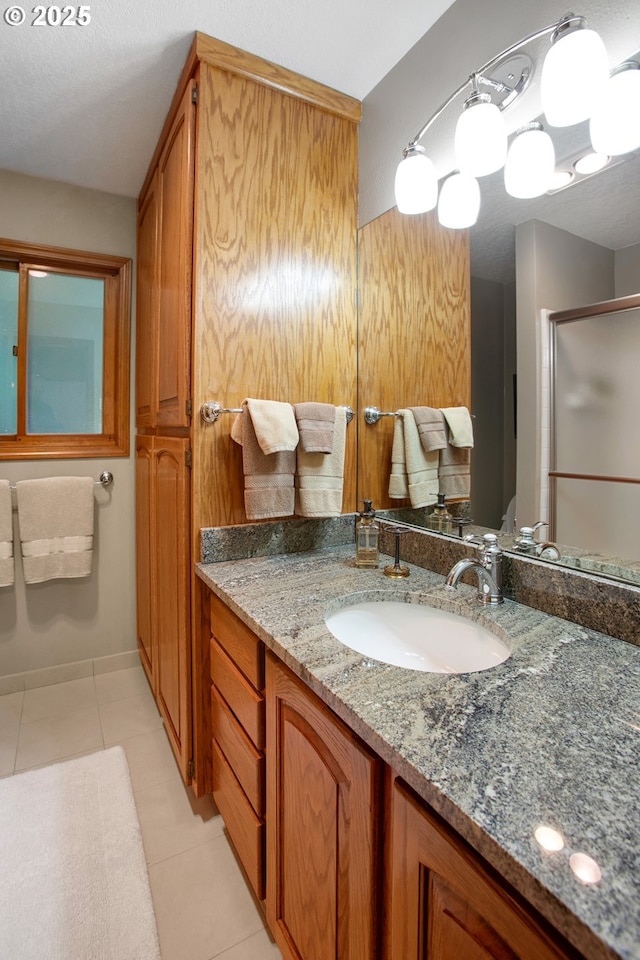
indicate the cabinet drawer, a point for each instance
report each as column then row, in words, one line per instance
column 242, row 645
column 246, row 762
column 245, row 702
column 245, row 829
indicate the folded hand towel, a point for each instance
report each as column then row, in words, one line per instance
column 454, row 472
column 6, row 536
column 398, row 482
column 268, row 478
column 274, row 424
column 316, row 423
column 431, row 428
column 460, row 426
column 56, row 527
column 320, row 477
column 421, row 468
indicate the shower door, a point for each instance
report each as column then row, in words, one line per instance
column 594, row 477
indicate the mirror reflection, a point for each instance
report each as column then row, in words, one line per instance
column 578, row 246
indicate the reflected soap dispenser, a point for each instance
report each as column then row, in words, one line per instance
column 367, row 534
column 440, row 519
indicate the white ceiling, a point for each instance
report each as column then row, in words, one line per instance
column 85, row 104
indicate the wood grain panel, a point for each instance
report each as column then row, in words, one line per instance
column 246, row 762
column 241, row 697
column 275, row 278
column 147, row 306
column 321, row 799
column 241, row 644
column 414, row 331
column 172, row 606
column 443, row 903
column 145, row 552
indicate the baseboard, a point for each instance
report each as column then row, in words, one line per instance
column 16, row 682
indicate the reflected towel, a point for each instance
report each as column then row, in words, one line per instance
column 56, row 527
column 413, row 471
column 268, row 478
column 274, row 424
column 7, row 573
column 320, row 477
column 316, row 423
column 431, row 428
column 460, row 426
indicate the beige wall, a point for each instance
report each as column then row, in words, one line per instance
column 628, row 271
column 59, row 622
column 555, row 270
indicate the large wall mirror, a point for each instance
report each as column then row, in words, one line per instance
column 576, row 246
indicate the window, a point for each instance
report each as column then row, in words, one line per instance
column 64, row 353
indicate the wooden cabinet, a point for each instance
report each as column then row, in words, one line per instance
column 248, row 206
column 163, row 582
column 443, row 903
column 238, row 728
column 321, row 828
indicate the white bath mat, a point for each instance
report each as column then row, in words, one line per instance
column 73, row 878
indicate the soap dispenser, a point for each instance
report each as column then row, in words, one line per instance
column 440, row 519
column 367, row 533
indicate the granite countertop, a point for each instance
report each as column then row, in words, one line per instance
column 549, row 737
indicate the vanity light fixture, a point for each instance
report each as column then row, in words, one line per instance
column 575, row 84
column 591, row 163
column 615, row 124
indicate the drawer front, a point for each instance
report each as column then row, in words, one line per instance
column 242, row 645
column 245, row 702
column 246, row 762
column 245, row 829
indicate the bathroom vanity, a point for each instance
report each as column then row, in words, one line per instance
column 399, row 808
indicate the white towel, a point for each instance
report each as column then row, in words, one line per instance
column 56, row 527
column 320, row 476
column 460, row 426
column 414, row 473
column 275, row 425
column 7, row 575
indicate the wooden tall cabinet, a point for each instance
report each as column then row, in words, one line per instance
column 246, row 287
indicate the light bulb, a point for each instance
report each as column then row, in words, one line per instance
column 459, row 202
column 591, row 163
column 574, row 73
column 615, row 122
column 530, row 163
column 416, row 184
column 480, row 138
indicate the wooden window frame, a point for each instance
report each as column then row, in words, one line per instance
column 116, row 272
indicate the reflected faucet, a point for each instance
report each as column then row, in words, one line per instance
column 487, row 567
column 526, row 543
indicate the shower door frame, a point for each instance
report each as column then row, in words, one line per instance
column 619, row 305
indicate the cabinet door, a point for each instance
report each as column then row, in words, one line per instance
column 444, row 904
column 172, row 597
column 321, row 829
column 175, row 190
column 147, row 306
column 145, row 574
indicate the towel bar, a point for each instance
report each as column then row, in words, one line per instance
column 212, row 410
column 373, row 415
column 104, row 480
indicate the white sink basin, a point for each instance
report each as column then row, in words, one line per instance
column 417, row 637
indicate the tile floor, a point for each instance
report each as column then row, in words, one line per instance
column 203, row 906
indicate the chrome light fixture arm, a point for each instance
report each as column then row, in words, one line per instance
column 478, row 76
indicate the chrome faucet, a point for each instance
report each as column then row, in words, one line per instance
column 487, row 567
column 526, row 543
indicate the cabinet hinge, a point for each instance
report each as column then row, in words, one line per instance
column 187, row 458
column 194, row 94
column 188, row 406
column 191, row 769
